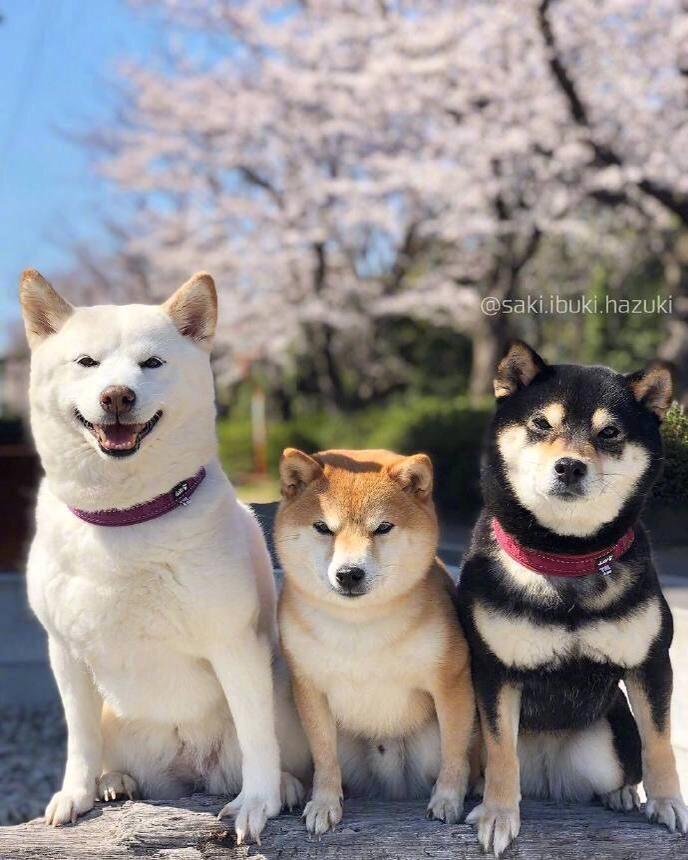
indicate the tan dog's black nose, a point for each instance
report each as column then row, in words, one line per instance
column 117, row 399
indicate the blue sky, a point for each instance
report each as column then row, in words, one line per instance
column 58, row 61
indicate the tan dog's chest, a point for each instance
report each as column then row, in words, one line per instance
column 374, row 676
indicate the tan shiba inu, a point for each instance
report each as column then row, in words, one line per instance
column 379, row 664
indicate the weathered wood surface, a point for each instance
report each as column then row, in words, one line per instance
column 188, row 830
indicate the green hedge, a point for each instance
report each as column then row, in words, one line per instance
column 450, row 431
column 672, row 488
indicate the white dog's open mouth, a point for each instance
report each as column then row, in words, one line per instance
column 117, row 438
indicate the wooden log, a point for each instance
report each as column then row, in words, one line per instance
column 371, row 830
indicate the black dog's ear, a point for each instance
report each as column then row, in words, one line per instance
column 518, row 368
column 653, row 387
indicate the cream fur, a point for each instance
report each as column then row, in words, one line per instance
column 518, row 642
column 609, row 482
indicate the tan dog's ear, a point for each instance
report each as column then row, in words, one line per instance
column 193, row 309
column 653, row 387
column 297, row 470
column 44, row 309
column 414, row 474
column 518, row 368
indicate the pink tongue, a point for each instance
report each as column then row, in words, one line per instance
column 118, row 435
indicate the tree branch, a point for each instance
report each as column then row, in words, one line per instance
column 605, row 155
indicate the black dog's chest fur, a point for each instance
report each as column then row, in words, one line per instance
column 568, row 690
column 572, row 697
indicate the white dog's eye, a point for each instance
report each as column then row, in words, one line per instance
column 322, row 528
column 152, row 362
column 384, row 529
column 87, row 361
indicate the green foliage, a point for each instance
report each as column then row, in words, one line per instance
column 449, row 430
column 672, row 488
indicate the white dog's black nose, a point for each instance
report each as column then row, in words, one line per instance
column 570, row 471
column 350, row 578
column 117, row 399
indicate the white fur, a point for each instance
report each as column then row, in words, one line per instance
column 170, row 623
column 567, row 766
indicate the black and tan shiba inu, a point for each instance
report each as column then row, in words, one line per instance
column 560, row 599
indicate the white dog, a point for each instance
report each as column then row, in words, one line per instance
column 153, row 583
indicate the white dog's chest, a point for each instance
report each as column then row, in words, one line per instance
column 517, row 641
column 132, row 630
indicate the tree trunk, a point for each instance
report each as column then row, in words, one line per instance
column 675, row 345
column 488, row 342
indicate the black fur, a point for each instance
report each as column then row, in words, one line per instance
column 577, row 691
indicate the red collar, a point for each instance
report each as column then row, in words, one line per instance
column 562, row 565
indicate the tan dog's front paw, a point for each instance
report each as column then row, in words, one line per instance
column 497, row 826
column 446, row 804
column 322, row 813
column 67, row 805
column 114, row 784
column 623, row 799
column 670, row 811
column 292, row 791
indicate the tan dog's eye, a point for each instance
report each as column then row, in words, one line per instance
column 384, row 529
column 322, row 528
column 541, row 423
column 609, row 432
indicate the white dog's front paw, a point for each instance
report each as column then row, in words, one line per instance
column 497, row 827
column 322, row 813
column 114, row 784
column 292, row 791
column 446, row 804
column 670, row 811
column 67, row 805
column 250, row 813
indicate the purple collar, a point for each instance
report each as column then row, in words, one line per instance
column 178, row 496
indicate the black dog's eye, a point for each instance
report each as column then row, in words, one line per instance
column 152, row 362
column 87, row 361
column 609, row 432
column 384, row 529
column 541, row 423
column 322, row 528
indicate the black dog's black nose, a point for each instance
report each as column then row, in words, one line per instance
column 350, row 577
column 570, row 471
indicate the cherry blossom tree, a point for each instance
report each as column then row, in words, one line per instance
column 335, row 163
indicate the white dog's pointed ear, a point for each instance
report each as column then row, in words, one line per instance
column 193, row 309
column 653, row 386
column 297, row 470
column 414, row 474
column 517, row 369
column 44, row 309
